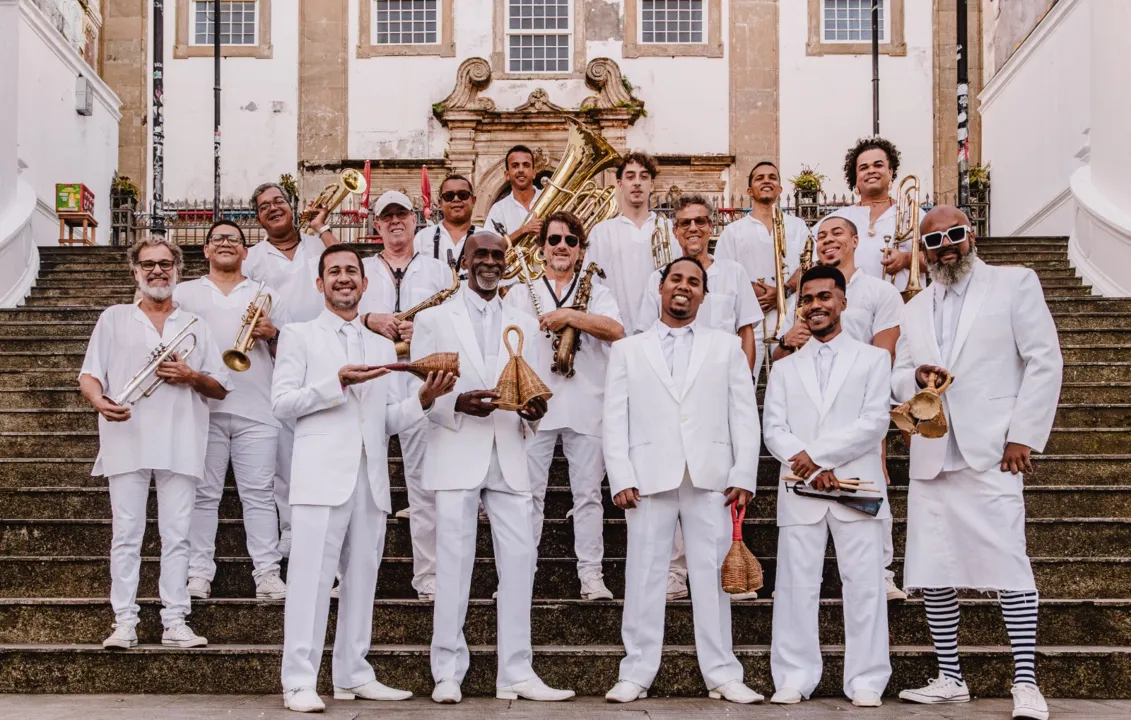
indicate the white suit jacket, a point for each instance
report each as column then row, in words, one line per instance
column 329, row 431
column 653, row 430
column 841, row 433
column 1006, row 362
column 459, row 445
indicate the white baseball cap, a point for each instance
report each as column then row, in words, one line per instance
column 391, row 197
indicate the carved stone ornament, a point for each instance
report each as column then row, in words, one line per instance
column 613, row 90
column 539, row 102
column 472, row 78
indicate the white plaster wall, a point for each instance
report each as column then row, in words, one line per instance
column 826, row 100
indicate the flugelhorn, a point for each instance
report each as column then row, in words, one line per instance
column 352, row 181
column 907, row 226
column 238, row 357
column 161, row 353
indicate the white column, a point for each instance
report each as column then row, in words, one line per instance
column 1111, row 102
column 9, row 79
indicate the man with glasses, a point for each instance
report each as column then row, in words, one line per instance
column 575, row 413
column 159, row 439
column 241, row 427
column 991, row 330
column 457, row 202
column 506, row 217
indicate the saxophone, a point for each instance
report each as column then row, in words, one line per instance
column 437, row 299
column 568, row 340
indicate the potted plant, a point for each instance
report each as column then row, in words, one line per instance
column 807, row 185
column 123, row 192
column 979, row 181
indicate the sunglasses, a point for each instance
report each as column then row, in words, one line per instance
column 554, row 240
column 957, row 236
column 451, row 195
column 700, row 221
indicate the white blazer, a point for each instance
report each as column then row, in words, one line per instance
column 842, row 433
column 459, row 445
column 1006, row 362
column 653, row 430
column 330, row 431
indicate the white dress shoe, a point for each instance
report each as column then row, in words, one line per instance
column 124, row 637
column 182, row 636
column 199, row 588
column 942, row 689
column 787, row 696
column 893, row 591
column 447, row 692
column 744, row 596
column 403, row 514
column 625, row 691
column 736, row 692
column 270, row 587
column 533, row 689
column 427, row 589
column 284, row 545
column 593, row 587
column 1028, row 702
column 371, row 690
column 303, row 700
column 866, row 698
column 677, row 587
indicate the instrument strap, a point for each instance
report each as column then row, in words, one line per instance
column 569, row 290
column 436, row 243
column 398, row 275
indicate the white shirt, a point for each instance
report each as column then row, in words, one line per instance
column 423, row 277
column 873, row 306
column 750, row 244
column 825, row 357
column 293, row 279
column 486, row 321
column 624, row 252
column 676, row 344
column 509, row 212
column 578, row 402
column 870, row 251
column 250, row 397
column 426, row 244
column 169, row 429
column 947, row 308
column 729, row 305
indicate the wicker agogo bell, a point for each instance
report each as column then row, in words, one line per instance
column 441, row 362
column 518, row 383
column 741, row 573
column 923, row 414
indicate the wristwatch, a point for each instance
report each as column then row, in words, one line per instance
column 783, row 346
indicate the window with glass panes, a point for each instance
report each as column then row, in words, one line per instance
column 671, row 21
column 405, row 22
column 238, row 22
column 538, row 36
column 850, row 20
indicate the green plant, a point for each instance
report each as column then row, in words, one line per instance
column 290, row 185
column 438, row 109
column 122, row 185
column 979, row 176
column 808, row 180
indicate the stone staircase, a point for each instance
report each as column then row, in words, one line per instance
column 55, row 537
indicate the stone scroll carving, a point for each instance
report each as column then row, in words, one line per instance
column 613, row 90
column 472, row 78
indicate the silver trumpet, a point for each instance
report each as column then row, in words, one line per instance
column 130, row 394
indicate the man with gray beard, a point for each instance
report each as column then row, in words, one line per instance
column 990, row 329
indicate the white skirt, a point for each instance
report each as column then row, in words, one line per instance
column 966, row 530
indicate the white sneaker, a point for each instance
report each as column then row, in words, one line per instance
column 626, row 691
column 593, row 587
column 182, row 636
column 284, row 545
column 371, row 690
column 403, row 514
column 735, row 691
column 866, row 698
column 447, row 692
column 942, row 689
column 893, row 590
column 1028, row 702
column 199, row 588
column 786, row 696
column 677, row 586
column 483, row 517
column 427, row 589
column 744, row 596
column 270, row 587
column 533, row 689
column 303, row 700
column 124, row 637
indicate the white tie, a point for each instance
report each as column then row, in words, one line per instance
column 824, row 367
column 681, row 354
column 949, row 321
column 354, row 356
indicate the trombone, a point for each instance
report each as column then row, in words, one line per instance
column 238, row 357
column 352, row 181
column 661, row 243
column 779, row 287
column 161, row 353
column 907, row 226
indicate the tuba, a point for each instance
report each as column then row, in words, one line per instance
column 779, row 286
column 437, row 299
column 661, row 243
column 907, row 226
column 568, row 341
column 352, row 181
column 238, row 357
column 161, row 353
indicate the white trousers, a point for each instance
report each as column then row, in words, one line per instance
column 586, row 471
column 707, row 532
column 889, row 547
column 251, row 447
column 129, row 493
column 795, row 650
column 457, row 513
column 422, row 505
column 354, row 532
column 284, row 455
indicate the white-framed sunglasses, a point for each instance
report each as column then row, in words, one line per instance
column 957, row 235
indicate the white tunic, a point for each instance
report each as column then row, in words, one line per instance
column 624, row 252
column 749, row 243
column 251, row 389
column 293, row 279
column 509, row 212
column 730, row 303
column 870, row 251
column 169, row 429
column 578, row 402
column 423, row 277
column 873, row 306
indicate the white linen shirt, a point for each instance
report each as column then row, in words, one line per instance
column 509, row 212
column 293, row 279
column 873, row 306
column 870, row 251
column 578, row 402
column 624, row 252
column 730, row 302
column 948, row 301
column 169, row 429
column 425, row 244
column 250, row 397
column 423, row 277
column 750, row 244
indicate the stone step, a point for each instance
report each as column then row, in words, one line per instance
column 1095, row 353
column 1083, row 321
column 47, row 300
column 1066, row 671
column 1090, row 304
column 552, row 622
column 1078, row 578
column 1067, row 291
column 198, row 265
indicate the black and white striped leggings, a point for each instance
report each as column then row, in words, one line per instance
column 1020, row 612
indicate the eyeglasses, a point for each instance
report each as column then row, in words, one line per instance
column 390, row 215
column 555, row 240
column 699, row 221
column 956, row 234
column 277, row 202
column 451, row 195
column 226, row 240
column 148, row 265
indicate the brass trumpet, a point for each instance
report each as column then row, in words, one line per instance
column 161, row 353
column 907, row 226
column 352, row 181
column 238, row 357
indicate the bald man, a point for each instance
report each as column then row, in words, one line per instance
column 989, row 328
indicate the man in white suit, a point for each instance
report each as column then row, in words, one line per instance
column 328, row 378
column 990, row 328
column 681, row 443
column 476, row 454
column 826, row 413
